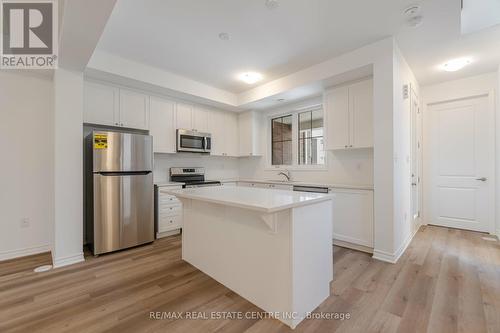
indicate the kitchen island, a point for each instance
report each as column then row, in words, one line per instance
column 272, row 247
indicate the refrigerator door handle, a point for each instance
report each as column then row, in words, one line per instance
column 124, row 173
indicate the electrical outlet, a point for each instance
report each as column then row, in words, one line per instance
column 25, row 222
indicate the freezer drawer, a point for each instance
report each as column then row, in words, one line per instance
column 123, row 211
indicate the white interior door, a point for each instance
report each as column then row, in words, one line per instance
column 416, row 154
column 462, row 164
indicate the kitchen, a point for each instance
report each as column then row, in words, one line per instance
column 324, row 195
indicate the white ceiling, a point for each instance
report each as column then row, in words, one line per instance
column 181, row 36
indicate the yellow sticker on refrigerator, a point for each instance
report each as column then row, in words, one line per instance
column 100, row 141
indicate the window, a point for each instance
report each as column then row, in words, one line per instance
column 281, row 129
column 297, row 139
column 311, row 150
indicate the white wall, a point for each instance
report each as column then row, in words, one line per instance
column 402, row 152
column 343, row 167
column 26, row 183
column 216, row 168
column 68, row 168
column 451, row 90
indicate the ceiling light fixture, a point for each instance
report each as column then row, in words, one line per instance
column 271, row 4
column 224, row 36
column 250, row 77
column 456, row 64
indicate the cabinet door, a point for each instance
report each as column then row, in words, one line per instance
column 134, row 109
column 353, row 216
column 200, row 119
column 361, row 113
column 163, row 125
column 337, row 118
column 184, row 116
column 101, row 104
column 249, row 140
column 231, row 134
column 216, row 124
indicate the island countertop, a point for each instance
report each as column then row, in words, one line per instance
column 259, row 199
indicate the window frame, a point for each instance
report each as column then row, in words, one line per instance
column 295, row 141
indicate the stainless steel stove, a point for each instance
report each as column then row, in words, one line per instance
column 191, row 177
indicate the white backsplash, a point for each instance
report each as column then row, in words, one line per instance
column 352, row 167
column 216, row 168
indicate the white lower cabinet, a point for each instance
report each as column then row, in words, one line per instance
column 353, row 218
column 169, row 212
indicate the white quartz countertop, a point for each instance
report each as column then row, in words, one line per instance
column 259, row 199
column 299, row 183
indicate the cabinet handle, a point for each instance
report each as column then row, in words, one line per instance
column 117, row 124
column 345, row 146
column 121, row 124
column 350, row 146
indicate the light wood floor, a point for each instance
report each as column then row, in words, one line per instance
column 447, row 281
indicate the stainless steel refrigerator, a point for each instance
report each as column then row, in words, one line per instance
column 119, row 190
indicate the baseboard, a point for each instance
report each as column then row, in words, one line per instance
column 168, row 233
column 28, row 251
column 498, row 233
column 394, row 257
column 353, row 246
column 69, row 260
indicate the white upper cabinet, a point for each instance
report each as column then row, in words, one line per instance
column 192, row 117
column 200, row 119
column 249, row 135
column 184, row 116
column 349, row 116
column 216, row 124
column 361, row 101
column 101, row 104
column 224, row 129
column 231, row 134
column 134, row 109
column 162, row 126
column 112, row 106
column 337, row 118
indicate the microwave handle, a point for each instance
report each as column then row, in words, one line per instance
column 206, row 143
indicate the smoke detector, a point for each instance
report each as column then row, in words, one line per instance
column 271, row 4
column 413, row 16
column 224, row 36
column 412, row 11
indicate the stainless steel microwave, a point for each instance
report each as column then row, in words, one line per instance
column 193, row 141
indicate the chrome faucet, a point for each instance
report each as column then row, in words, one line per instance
column 285, row 173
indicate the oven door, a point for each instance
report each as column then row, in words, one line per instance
column 190, row 141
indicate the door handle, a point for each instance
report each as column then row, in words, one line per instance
column 483, row 179
column 413, row 184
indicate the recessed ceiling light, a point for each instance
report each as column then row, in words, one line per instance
column 224, row 36
column 250, row 77
column 456, row 64
column 271, row 4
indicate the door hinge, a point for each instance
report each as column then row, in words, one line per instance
column 406, row 92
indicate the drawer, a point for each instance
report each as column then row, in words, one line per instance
column 167, row 198
column 169, row 222
column 170, row 210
